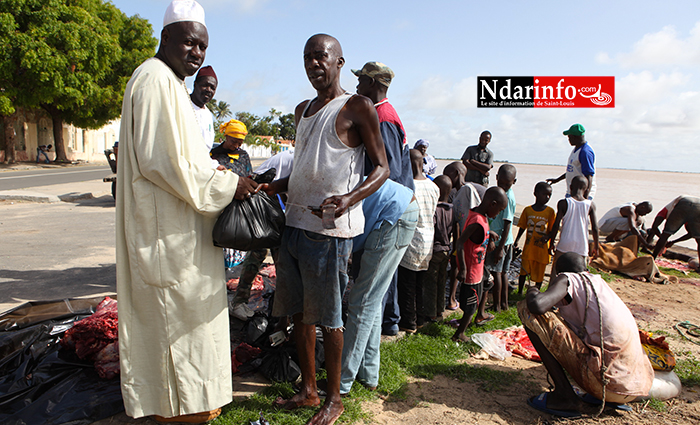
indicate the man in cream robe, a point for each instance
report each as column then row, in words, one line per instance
column 173, row 320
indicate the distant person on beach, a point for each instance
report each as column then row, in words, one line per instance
column 573, row 215
column 683, row 211
column 581, row 162
column 570, row 341
column 479, row 160
column 429, row 164
column 626, row 218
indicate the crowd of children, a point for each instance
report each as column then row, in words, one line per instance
column 464, row 237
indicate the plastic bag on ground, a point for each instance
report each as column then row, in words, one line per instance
column 666, row 386
column 495, row 347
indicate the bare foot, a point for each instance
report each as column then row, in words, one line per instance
column 298, row 400
column 460, row 338
column 329, row 413
column 504, row 307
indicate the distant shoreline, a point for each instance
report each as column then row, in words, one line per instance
column 562, row 165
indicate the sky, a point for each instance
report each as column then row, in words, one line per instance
column 438, row 49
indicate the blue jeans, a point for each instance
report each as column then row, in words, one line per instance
column 384, row 249
column 40, row 152
column 312, row 277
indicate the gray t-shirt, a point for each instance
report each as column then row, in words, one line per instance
column 485, row 156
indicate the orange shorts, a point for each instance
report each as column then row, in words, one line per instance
column 534, row 269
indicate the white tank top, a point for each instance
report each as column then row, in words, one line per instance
column 574, row 227
column 324, row 166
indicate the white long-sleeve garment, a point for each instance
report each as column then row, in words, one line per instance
column 174, row 343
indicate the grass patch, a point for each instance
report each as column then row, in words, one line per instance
column 673, row 272
column 431, row 352
column 608, row 277
column 428, row 353
column 250, row 409
column 688, row 370
column 658, row 405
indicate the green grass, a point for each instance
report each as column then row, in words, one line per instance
column 608, row 277
column 688, row 369
column 658, row 405
column 249, row 410
column 428, row 353
column 673, row 272
column 431, row 352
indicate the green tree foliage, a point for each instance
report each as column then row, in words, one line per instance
column 275, row 124
column 72, row 58
column 220, row 109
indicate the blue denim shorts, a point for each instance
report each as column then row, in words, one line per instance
column 504, row 264
column 312, row 277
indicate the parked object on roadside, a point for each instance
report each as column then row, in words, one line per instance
column 111, row 155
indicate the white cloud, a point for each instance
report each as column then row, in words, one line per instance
column 660, row 49
column 439, row 93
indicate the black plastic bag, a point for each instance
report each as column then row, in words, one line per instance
column 253, row 223
column 278, row 366
column 257, row 330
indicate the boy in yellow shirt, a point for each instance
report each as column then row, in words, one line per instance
column 537, row 219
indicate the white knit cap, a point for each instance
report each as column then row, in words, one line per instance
column 183, row 10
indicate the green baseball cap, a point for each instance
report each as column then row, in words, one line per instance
column 376, row 70
column 575, row 130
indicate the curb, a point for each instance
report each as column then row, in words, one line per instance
column 30, row 197
column 41, row 198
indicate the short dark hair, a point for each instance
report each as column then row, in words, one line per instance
column 541, row 186
column 571, row 262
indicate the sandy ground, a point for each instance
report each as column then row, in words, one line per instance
column 448, row 401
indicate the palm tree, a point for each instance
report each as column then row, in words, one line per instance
column 220, row 109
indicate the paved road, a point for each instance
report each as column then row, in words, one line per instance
column 10, row 180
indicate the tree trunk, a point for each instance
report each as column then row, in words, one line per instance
column 10, row 138
column 58, row 137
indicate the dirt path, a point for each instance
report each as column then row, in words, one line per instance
column 448, row 401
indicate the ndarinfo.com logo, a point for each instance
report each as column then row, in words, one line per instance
column 545, row 92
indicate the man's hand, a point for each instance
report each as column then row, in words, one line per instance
column 461, row 275
column 498, row 254
column 221, row 168
column 593, row 251
column 341, row 202
column 245, row 188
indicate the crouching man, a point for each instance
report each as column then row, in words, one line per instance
column 564, row 325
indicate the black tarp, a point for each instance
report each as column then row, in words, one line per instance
column 40, row 383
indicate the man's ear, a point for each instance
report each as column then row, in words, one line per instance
column 341, row 62
column 164, row 36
